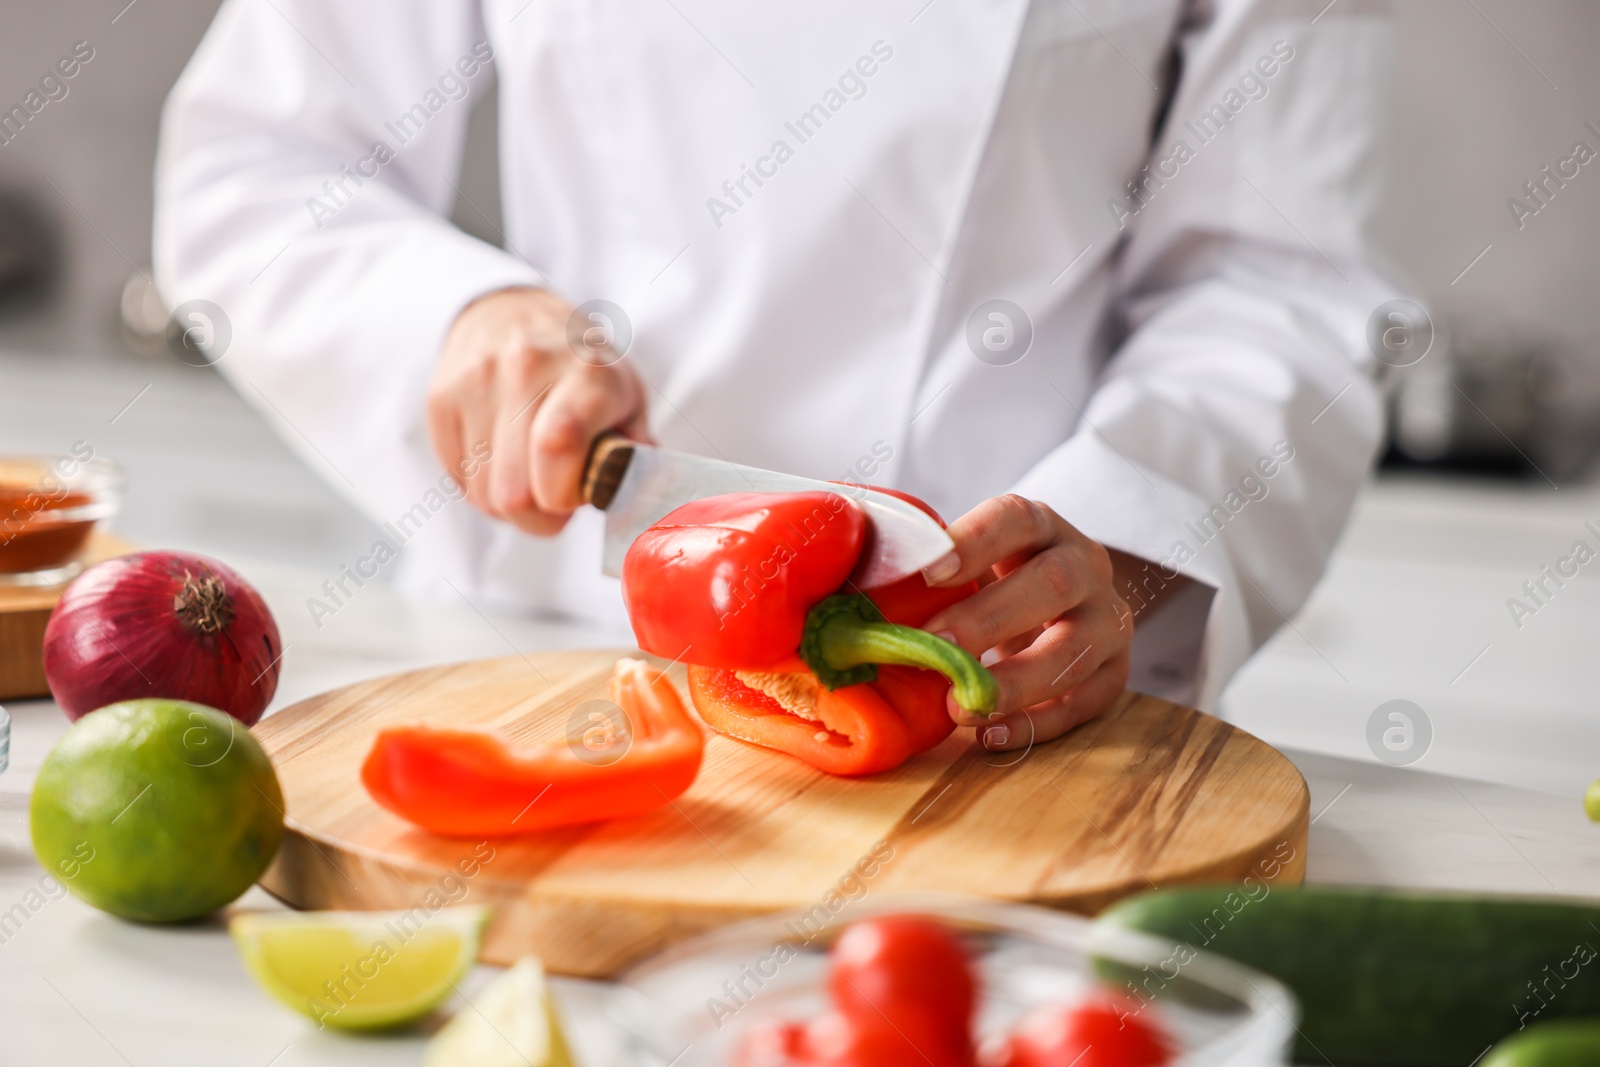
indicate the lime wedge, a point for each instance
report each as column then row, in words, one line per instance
column 512, row 1023
column 360, row 970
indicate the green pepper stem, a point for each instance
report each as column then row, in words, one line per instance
column 845, row 635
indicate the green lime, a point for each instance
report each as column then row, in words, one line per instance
column 1591, row 800
column 157, row 810
column 1557, row 1043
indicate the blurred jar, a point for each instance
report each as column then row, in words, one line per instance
column 49, row 508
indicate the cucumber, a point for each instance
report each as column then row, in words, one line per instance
column 1394, row 978
column 1568, row 1043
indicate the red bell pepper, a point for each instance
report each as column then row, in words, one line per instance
column 736, row 586
column 464, row 782
column 726, row 581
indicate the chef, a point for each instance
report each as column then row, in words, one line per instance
column 1087, row 275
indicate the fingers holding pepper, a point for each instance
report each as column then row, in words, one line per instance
column 1052, row 718
column 1053, row 582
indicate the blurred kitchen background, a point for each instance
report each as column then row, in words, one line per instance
column 1490, row 474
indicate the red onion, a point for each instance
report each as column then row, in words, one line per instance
column 162, row 624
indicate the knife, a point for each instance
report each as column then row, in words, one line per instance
column 636, row 485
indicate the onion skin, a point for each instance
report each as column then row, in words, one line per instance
column 162, row 624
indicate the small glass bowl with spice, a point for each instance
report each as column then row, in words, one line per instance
column 49, row 507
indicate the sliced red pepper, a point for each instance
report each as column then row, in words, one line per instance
column 727, row 581
column 736, row 586
column 917, row 696
column 740, row 582
column 463, row 782
column 859, row 736
column 849, row 731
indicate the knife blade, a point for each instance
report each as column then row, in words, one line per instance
column 636, row 485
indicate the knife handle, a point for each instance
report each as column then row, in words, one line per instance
column 602, row 473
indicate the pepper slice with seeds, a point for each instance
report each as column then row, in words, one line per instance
column 848, row 731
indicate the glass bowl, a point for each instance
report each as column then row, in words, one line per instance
column 691, row 1006
column 49, row 506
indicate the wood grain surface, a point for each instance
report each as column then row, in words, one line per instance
column 1149, row 794
column 24, row 612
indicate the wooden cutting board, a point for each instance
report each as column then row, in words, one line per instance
column 1149, row 794
column 24, row 611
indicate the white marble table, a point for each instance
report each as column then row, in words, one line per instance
column 80, row 988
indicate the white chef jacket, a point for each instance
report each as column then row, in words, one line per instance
column 803, row 211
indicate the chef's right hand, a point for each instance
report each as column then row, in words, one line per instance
column 509, row 385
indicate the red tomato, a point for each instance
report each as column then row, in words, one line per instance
column 834, row 1039
column 911, row 973
column 771, row 1043
column 903, row 996
column 1102, row 1033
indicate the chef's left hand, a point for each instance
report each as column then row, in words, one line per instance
column 1051, row 611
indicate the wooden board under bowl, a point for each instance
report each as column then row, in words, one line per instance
column 1151, row 793
column 24, row 611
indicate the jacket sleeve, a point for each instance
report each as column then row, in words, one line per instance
column 307, row 161
column 1237, row 417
